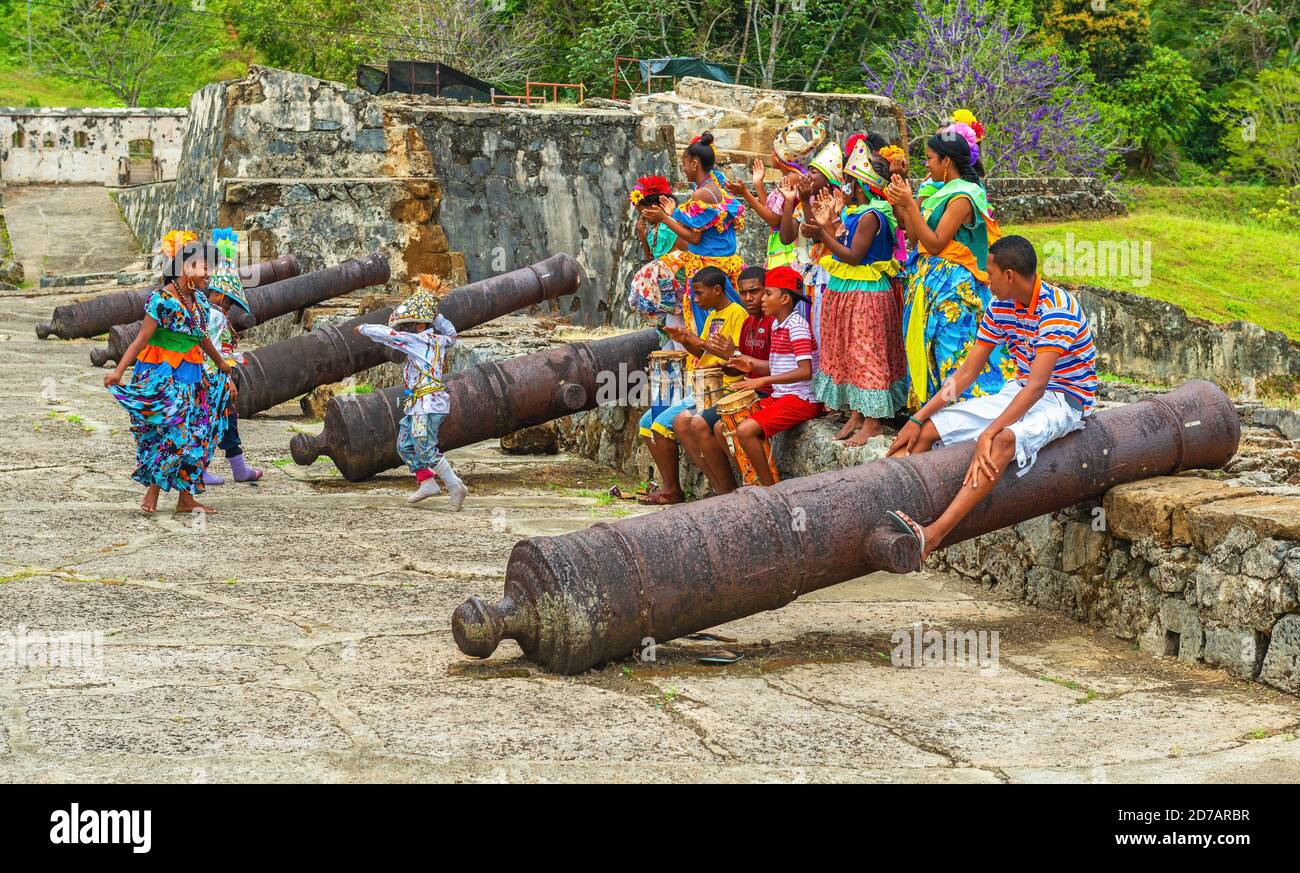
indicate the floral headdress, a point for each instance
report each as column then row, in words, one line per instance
column 893, row 153
column 650, row 186
column 966, row 117
column 226, row 242
column 175, row 240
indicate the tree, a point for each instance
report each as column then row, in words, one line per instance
column 1161, row 100
column 1263, row 135
column 126, row 46
column 1116, row 34
column 1039, row 116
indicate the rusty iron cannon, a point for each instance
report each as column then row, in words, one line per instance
column 488, row 400
column 577, row 600
column 93, row 316
column 270, row 301
column 281, row 371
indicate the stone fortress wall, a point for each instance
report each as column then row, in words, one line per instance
column 89, row 146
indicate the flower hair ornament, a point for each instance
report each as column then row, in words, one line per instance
column 650, row 186
column 966, row 132
column 966, row 117
column 893, row 153
column 175, row 240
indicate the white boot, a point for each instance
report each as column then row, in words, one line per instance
column 456, row 489
column 427, row 489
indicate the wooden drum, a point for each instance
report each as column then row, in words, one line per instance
column 666, row 371
column 707, row 386
column 733, row 409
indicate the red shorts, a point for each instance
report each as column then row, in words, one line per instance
column 775, row 414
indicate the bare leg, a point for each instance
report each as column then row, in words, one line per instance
column 697, row 439
column 869, row 427
column 1004, row 449
column 719, row 457
column 185, row 502
column 664, row 452
column 750, row 437
column 854, row 422
column 150, row 502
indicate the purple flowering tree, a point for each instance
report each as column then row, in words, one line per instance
column 1037, row 114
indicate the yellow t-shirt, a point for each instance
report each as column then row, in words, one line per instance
column 726, row 321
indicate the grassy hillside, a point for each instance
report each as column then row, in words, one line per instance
column 22, row 87
column 1206, row 254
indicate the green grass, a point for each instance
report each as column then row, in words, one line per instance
column 22, row 87
column 1207, row 256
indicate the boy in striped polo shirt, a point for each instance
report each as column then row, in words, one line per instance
column 1047, row 334
column 791, row 363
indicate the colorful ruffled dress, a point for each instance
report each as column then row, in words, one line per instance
column 717, row 223
column 862, row 366
column 177, row 409
column 947, row 293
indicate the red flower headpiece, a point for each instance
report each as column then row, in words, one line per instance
column 650, row 186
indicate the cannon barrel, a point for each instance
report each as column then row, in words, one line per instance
column 576, row 600
column 93, row 316
column 487, row 400
column 273, row 300
column 284, row 370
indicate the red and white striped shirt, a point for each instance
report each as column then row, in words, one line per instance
column 792, row 342
column 1054, row 321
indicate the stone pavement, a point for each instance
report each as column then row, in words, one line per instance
column 66, row 230
column 303, row 634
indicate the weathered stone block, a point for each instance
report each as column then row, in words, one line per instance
column 1179, row 617
column 1157, row 507
column 1281, row 667
column 1082, row 549
column 1237, row 650
column 540, row 440
column 1267, row 515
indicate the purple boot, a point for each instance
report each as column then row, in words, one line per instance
column 210, row 478
column 243, row 472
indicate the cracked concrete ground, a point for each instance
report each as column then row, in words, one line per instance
column 304, row 636
column 66, row 230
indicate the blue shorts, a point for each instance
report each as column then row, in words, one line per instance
column 662, row 423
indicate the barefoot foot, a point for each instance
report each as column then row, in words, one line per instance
column 854, row 422
column 870, row 427
column 150, row 502
column 186, row 503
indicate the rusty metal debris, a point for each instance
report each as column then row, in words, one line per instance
column 273, row 300
column 488, row 400
column 284, row 370
column 95, row 315
column 577, row 600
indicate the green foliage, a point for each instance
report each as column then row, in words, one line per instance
column 1116, row 34
column 1283, row 213
column 1263, row 131
column 1160, row 101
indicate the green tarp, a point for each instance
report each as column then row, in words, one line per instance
column 681, row 67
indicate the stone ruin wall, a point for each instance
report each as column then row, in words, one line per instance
column 84, row 146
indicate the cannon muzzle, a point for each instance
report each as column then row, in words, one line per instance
column 284, row 370
column 93, row 316
column 576, row 600
column 273, row 300
column 488, row 400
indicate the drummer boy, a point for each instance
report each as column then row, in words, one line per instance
column 701, row 435
column 708, row 287
column 791, row 363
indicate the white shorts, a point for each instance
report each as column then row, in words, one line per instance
column 1049, row 419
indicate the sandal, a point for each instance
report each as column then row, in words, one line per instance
column 911, row 528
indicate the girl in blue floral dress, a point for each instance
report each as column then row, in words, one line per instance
column 177, row 410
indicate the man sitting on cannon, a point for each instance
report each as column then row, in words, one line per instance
column 1047, row 334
